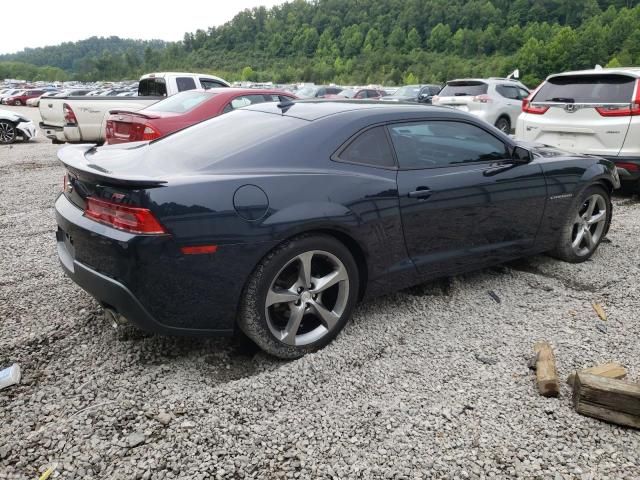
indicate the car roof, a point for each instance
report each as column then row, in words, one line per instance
column 631, row 71
column 311, row 110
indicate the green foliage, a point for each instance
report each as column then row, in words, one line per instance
column 369, row 41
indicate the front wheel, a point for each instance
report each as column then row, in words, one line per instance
column 300, row 296
column 17, row 103
column 7, row 132
column 586, row 225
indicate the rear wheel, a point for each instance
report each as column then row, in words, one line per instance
column 7, row 132
column 300, row 296
column 586, row 225
column 503, row 124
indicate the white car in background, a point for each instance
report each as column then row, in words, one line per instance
column 595, row 112
column 497, row 101
column 14, row 126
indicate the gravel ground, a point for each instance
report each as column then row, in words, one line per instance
column 426, row 383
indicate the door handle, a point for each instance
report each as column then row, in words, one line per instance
column 420, row 192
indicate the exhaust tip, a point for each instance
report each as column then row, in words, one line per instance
column 116, row 319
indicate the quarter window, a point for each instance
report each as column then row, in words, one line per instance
column 508, row 91
column 208, row 83
column 185, row 83
column 369, row 148
column 440, row 144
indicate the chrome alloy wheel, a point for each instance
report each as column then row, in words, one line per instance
column 7, row 132
column 307, row 298
column 589, row 225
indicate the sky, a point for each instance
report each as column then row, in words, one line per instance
column 44, row 23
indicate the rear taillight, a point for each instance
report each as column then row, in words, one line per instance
column 142, row 132
column 123, row 217
column 628, row 166
column 69, row 116
column 527, row 107
column 482, row 98
column 632, row 110
column 109, row 130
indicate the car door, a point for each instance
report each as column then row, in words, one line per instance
column 511, row 99
column 464, row 202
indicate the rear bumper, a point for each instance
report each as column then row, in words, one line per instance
column 141, row 279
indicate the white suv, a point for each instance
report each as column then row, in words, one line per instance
column 593, row 112
column 497, row 101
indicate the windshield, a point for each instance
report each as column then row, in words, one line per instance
column 464, row 89
column 181, row 102
column 349, row 93
column 407, row 91
column 587, row 89
column 307, row 92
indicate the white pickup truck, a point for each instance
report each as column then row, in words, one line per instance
column 83, row 119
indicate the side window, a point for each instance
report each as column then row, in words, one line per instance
column 207, row 83
column 185, row 83
column 508, row 91
column 321, row 92
column 244, row 101
column 361, row 94
column 369, row 148
column 441, row 144
column 523, row 93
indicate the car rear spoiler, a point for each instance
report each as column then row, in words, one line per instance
column 133, row 112
column 74, row 159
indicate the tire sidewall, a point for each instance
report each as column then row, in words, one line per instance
column 252, row 319
column 564, row 249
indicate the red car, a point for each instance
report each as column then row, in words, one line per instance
column 359, row 93
column 22, row 97
column 183, row 110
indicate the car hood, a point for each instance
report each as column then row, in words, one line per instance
column 12, row 116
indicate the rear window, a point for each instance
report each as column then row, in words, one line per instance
column 181, row 102
column 152, row 87
column 463, row 88
column 211, row 141
column 587, row 89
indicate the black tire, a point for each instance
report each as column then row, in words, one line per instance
column 8, row 132
column 504, row 124
column 565, row 249
column 252, row 318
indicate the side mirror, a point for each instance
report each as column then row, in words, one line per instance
column 521, row 155
column 425, row 97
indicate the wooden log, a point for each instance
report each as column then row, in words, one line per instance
column 546, row 372
column 609, row 370
column 615, row 401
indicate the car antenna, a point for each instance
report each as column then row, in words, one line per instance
column 285, row 104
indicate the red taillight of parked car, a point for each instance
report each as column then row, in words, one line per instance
column 628, row 166
column 69, row 115
column 143, row 132
column 123, row 217
column 631, row 110
column 527, row 107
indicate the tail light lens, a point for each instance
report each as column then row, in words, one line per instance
column 632, row 110
column 527, row 107
column 143, row 132
column 123, row 217
column 482, row 98
column 69, row 116
column 628, row 166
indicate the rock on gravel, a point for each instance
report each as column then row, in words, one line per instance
column 427, row 383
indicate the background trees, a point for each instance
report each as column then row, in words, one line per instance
column 363, row 41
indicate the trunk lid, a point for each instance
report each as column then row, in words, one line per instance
column 585, row 113
column 465, row 95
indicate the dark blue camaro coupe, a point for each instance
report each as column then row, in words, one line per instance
column 277, row 219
